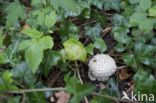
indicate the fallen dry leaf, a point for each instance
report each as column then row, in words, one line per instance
column 24, row 28
column 62, row 97
column 123, row 74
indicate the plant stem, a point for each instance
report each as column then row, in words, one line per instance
column 35, row 90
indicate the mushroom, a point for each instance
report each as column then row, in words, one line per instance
column 101, row 66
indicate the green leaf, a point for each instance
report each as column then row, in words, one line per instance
column 120, row 34
column 1, row 38
column 75, row 50
column 97, row 3
column 152, row 11
column 15, row 11
column 33, row 56
column 15, row 99
column 134, row 1
column 68, row 30
column 46, row 42
column 100, row 44
column 119, row 20
column 93, row 32
column 34, row 50
column 102, row 19
column 51, row 58
column 69, row 4
column 90, row 49
column 145, row 53
column 137, row 18
column 2, row 59
column 35, row 2
column 119, row 47
column 33, row 33
column 111, row 90
column 23, row 74
column 79, row 91
column 10, row 54
column 144, row 83
column 50, row 19
column 145, row 4
column 146, row 25
column 6, row 77
column 130, row 60
column 111, row 4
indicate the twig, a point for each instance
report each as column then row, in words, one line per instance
column 78, row 73
column 4, row 2
column 106, row 96
column 119, row 68
column 34, row 90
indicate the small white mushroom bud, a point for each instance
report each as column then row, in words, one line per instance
column 101, row 66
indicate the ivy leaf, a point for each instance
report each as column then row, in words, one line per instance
column 111, row 4
column 51, row 58
column 97, row 3
column 119, row 20
column 90, row 48
column 130, row 60
column 93, row 32
column 10, row 54
column 145, row 4
column 146, row 25
column 74, row 87
column 1, row 38
column 102, row 19
column 69, row 4
column 152, row 11
column 119, row 47
column 134, row 1
column 23, row 74
column 145, row 53
column 145, row 83
column 75, row 50
column 110, row 90
column 35, row 2
column 100, row 44
column 120, row 34
column 68, row 30
column 2, row 59
column 137, row 18
column 50, row 19
column 15, row 11
column 33, row 33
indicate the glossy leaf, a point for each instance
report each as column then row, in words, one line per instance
column 69, row 4
column 137, row 18
column 120, row 34
column 74, row 87
column 100, row 44
column 90, row 49
column 93, row 32
column 111, row 4
column 51, row 59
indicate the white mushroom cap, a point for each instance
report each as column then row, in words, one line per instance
column 101, row 66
